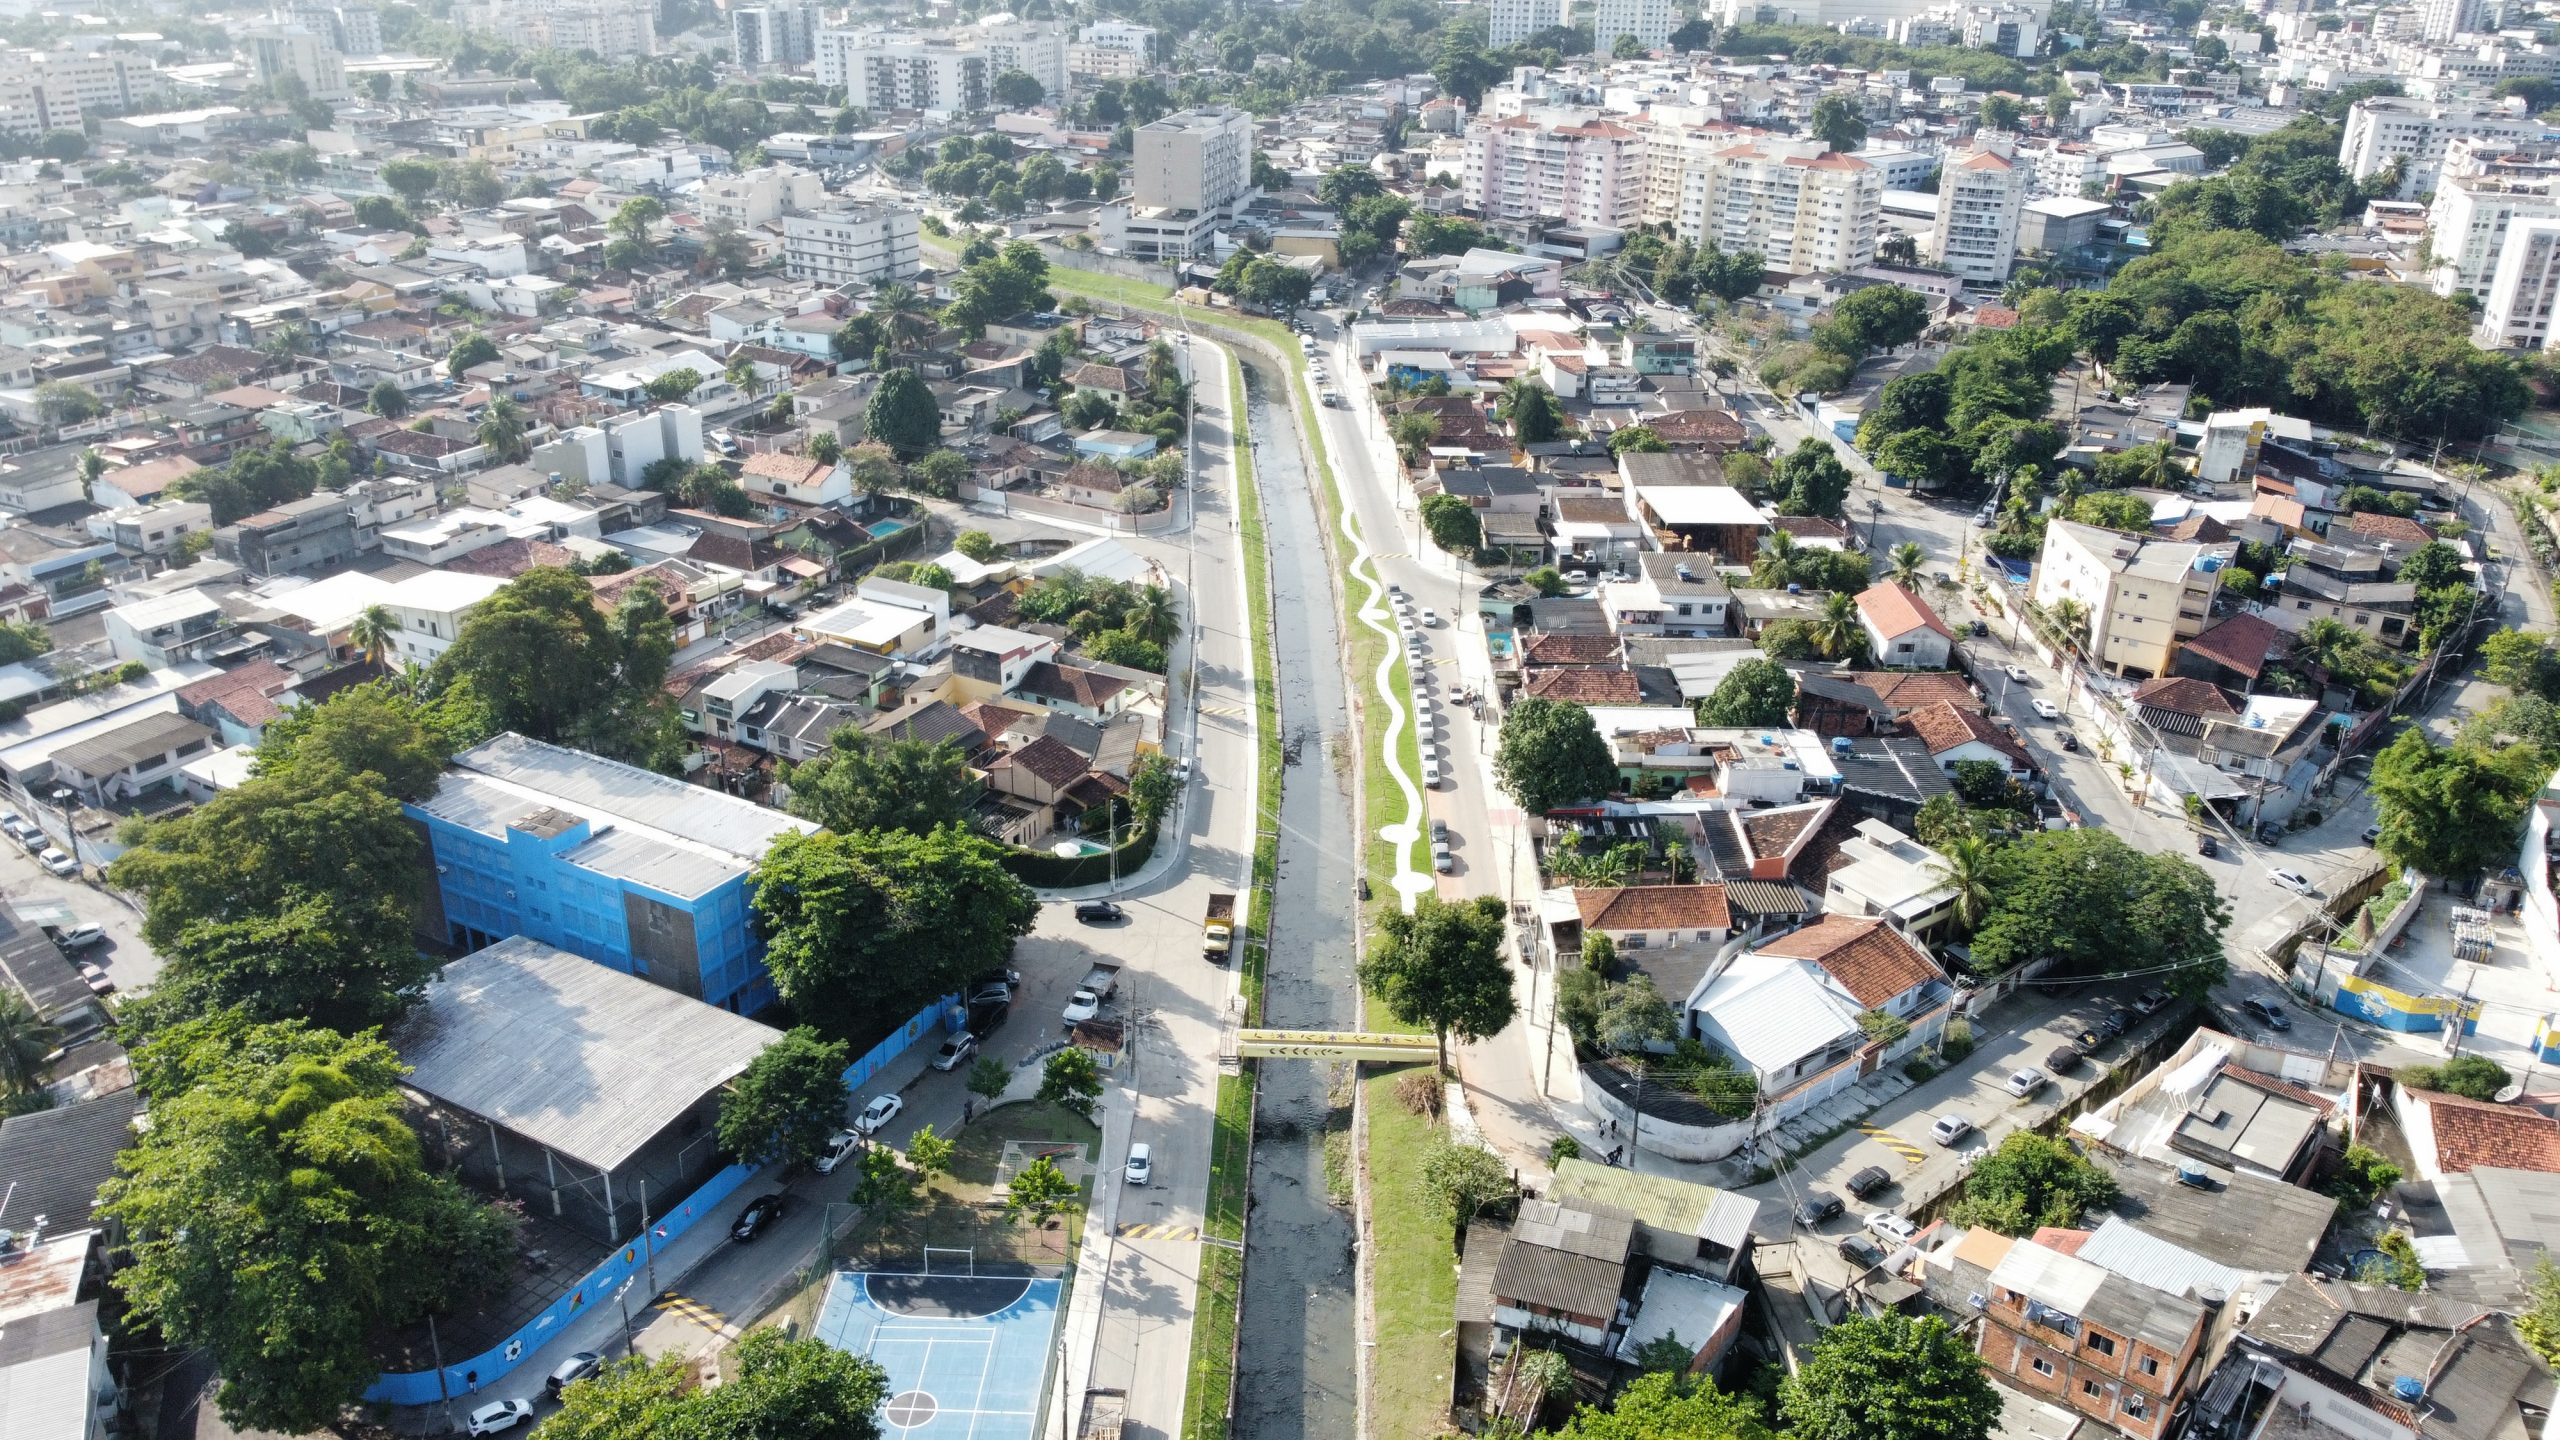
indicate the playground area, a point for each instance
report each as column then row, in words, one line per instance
column 967, row 1348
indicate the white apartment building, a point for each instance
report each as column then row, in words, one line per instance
column 2440, row 20
column 2141, row 597
column 2012, row 30
column 43, row 90
column 754, row 197
column 1099, row 62
column 2484, row 187
column 1649, row 21
column 2516, row 315
column 1508, row 22
column 2059, row 169
column 614, row 29
column 1037, row 48
column 1194, row 160
column 354, row 31
column 782, row 32
column 884, row 70
column 1800, row 207
column 2389, row 128
column 276, row 51
column 1138, row 40
column 1587, row 172
column 866, row 244
column 1976, row 230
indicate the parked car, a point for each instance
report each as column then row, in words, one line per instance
column 2205, row 845
column 572, row 1370
column 2119, row 1020
column 2044, row 708
column 96, row 979
column 955, row 1052
column 1430, row 619
column 1868, row 1181
column 1141, row 1169
column 1886, row 1225
column 1948, row 1129
column 879, row 1112
column 1442, row 861
column 499, row 1416
column 1860, row 1252
column 2266, row 1012
column 2062, row 1057
column 2017, row 673
column 1981, row 628
column 1818, row 1206
column 2293, row 880
column 81, row 937
column 751, row 1222
column 2371, row 834
column 2150, row 1002
column 1099, row 912
column 840, row 1148
column 2024, row 1082
column 2070, row 742
column 57, row 862
column 29, row 835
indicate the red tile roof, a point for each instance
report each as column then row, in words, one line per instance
column 2241, row 643
column 510, row 558
column 1054, row 761
column 1654, row 907
column 2182, row 695
column 1893, row 610
column 1554, row 648
column 1071, row 683
column 1586, row 687
column 246, row 694
column 1944, row 727
column 1904, row 691
column 1870, row 959
column 781, row 465
column 2472, row 1133
column 2397, row 529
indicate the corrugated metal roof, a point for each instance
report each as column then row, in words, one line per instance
column 568, row 1053
column 668, row 869
column 2153, row 1261
column 609, row 788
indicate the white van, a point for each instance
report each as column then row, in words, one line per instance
column 1430, row 773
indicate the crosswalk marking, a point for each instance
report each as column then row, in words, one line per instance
column 1159, row 1232
column 1232, row 712
column 695, row 1311
column 1895, row 1143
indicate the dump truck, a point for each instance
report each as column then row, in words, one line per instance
column 1087, row 1001
column 1218, row 931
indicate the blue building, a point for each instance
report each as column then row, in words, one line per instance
column 628, row 868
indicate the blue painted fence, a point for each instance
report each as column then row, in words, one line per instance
column 597, row 1286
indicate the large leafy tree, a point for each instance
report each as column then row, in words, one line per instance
column 1442, row 966
column 280, row 1215
column 1838, row 124
column 787, row 1102
column 255, row 851
column 2452, row 811
column 902, row 415
column 782, row 1388
column 1811, row 480
column 1890, row 1377
column 368, row 729
column 1755, row 692
column 1533, row 410
column 865, row 927
column 1451, row 521
column 2030, row 1180
column 861, row 782
column 1878, row 317
column 1551, row 754
column 1666, row 1405
column 2100, row 907
column 541, row 659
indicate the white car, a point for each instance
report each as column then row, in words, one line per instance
column 840, row 1146
column 1141, row 1168
column 1430, row 620
column 81, row 937
column 2293, row 880
column 2023, row 1083
column 2017, row 673
column 1430, row 774
column 1886, row 1225
column 879, row 1113
column 57, row 862
column 500, row 1416
column 1948, row 1129
column 2045, row 709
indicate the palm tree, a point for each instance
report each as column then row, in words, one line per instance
column 25, row 1041
column 502, row 430
column 1838, row 633
column 372, row 631
column 1903, row 565
column 740, row 371
column 1965, row 868
column 2073, row 617
column 2162, row 466
column 1775, row 558
column 904, row 314
column 1150, row 616
column 2332, row 647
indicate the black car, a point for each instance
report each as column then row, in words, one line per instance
column 1861, row 1252
column 2063, row 1057
column 2267, row 1013
column 760, row 1212
column 987, row 1014
column 1818, row 1206
column 2118, row 1021
column 1100, row 912
column 2070, row 742
column 2206, row 847
column 1007, row 978
column 1868, row 1181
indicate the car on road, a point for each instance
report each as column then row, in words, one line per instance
column 1868, row 1181
column 81, row 937
column 2205, row 845
column 1099, row 912
column 96, row 979
column 955, row 1052
column 1430, row 619
column 2017, row 673
column 1861, row 1252
column 1818, row 1206
column 1141, row 1169
column 2070, row 742
column 1948, row 1129
column 879, row 1112
column 840, row 1146
column 1885, row 1225
column 2023, row 1083
column 2045, row 709
column 499, row 1416
column 1430, row 773
column 28, row 835
column 2293, row 880
column 762, row 1211
column 2371, row 834
column 2065, row 1056
column 572, row 1370
column 2118, row 1020
column 2266, row 1012
column 2150, row 1002
column 1441, row 860
column 57, row 862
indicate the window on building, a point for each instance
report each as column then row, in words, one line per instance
column 2150, row 1365
column 2041, row 1365
column 2091, row 1388
column 2103, row 1344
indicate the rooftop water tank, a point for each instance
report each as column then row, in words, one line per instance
column 2410, row 1388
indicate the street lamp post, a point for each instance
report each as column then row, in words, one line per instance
column 622, row 1302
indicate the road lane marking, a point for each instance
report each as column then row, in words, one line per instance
column 1159, row 1232
column 1894, row 1143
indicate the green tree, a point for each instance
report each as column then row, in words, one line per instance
column 2100, row 907
column 903, row 416
column 978, row 545
column 1810, row 480
column 940, row 472
column 543, row 660
column 2451, row 811
column 1966, row 870
column 472, row 349
column 883, row 1185
column 373, row 730
column 788, row 1101
column 1442, row 966
column 2031, row 1180
column 1461, row 1180
column 25, row 1041
column 414, row 178
column 2523, row 661
column 1664, row 1404
column 1071, row 1079
column 863, row 928
column 1890, row 1375
column 1347, row 183
column 1838, row 124
column 1016, row 90
column 989, row 1077
column 1839, row 633
column 1038, row 1192
column 2539, row 1325
column 1535, row 415
column 781, row 1387
column 21, row 641
column 1452, row 523
column 675, row 386
column 2001, row 112
column 387, row 400
column 1904, row 564
column 1551, row 754
column 280, row 1215
column 1752, row 694
column 255, row 852
column 2473, row 1077
column 1878, row 317
column 1413, row 434
column 863, row 782
column 66, row 402
column 1637, row 440
column 343, row 964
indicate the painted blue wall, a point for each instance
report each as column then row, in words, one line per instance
column 521, row 886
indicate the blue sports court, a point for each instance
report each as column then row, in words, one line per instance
column 966, row 1354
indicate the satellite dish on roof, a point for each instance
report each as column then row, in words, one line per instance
column 2510, row 1095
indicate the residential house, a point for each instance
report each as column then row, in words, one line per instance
column 797, row 478
column 2326, row 1357
column 1564, row 1271
column 119, row 764
column 1796, row 1009
column 1902, row 631
column 1881, row 872
column 1957, row 733
column 2138, row 598
column 1679, row 1223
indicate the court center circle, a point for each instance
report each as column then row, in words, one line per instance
column 909, row 1409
